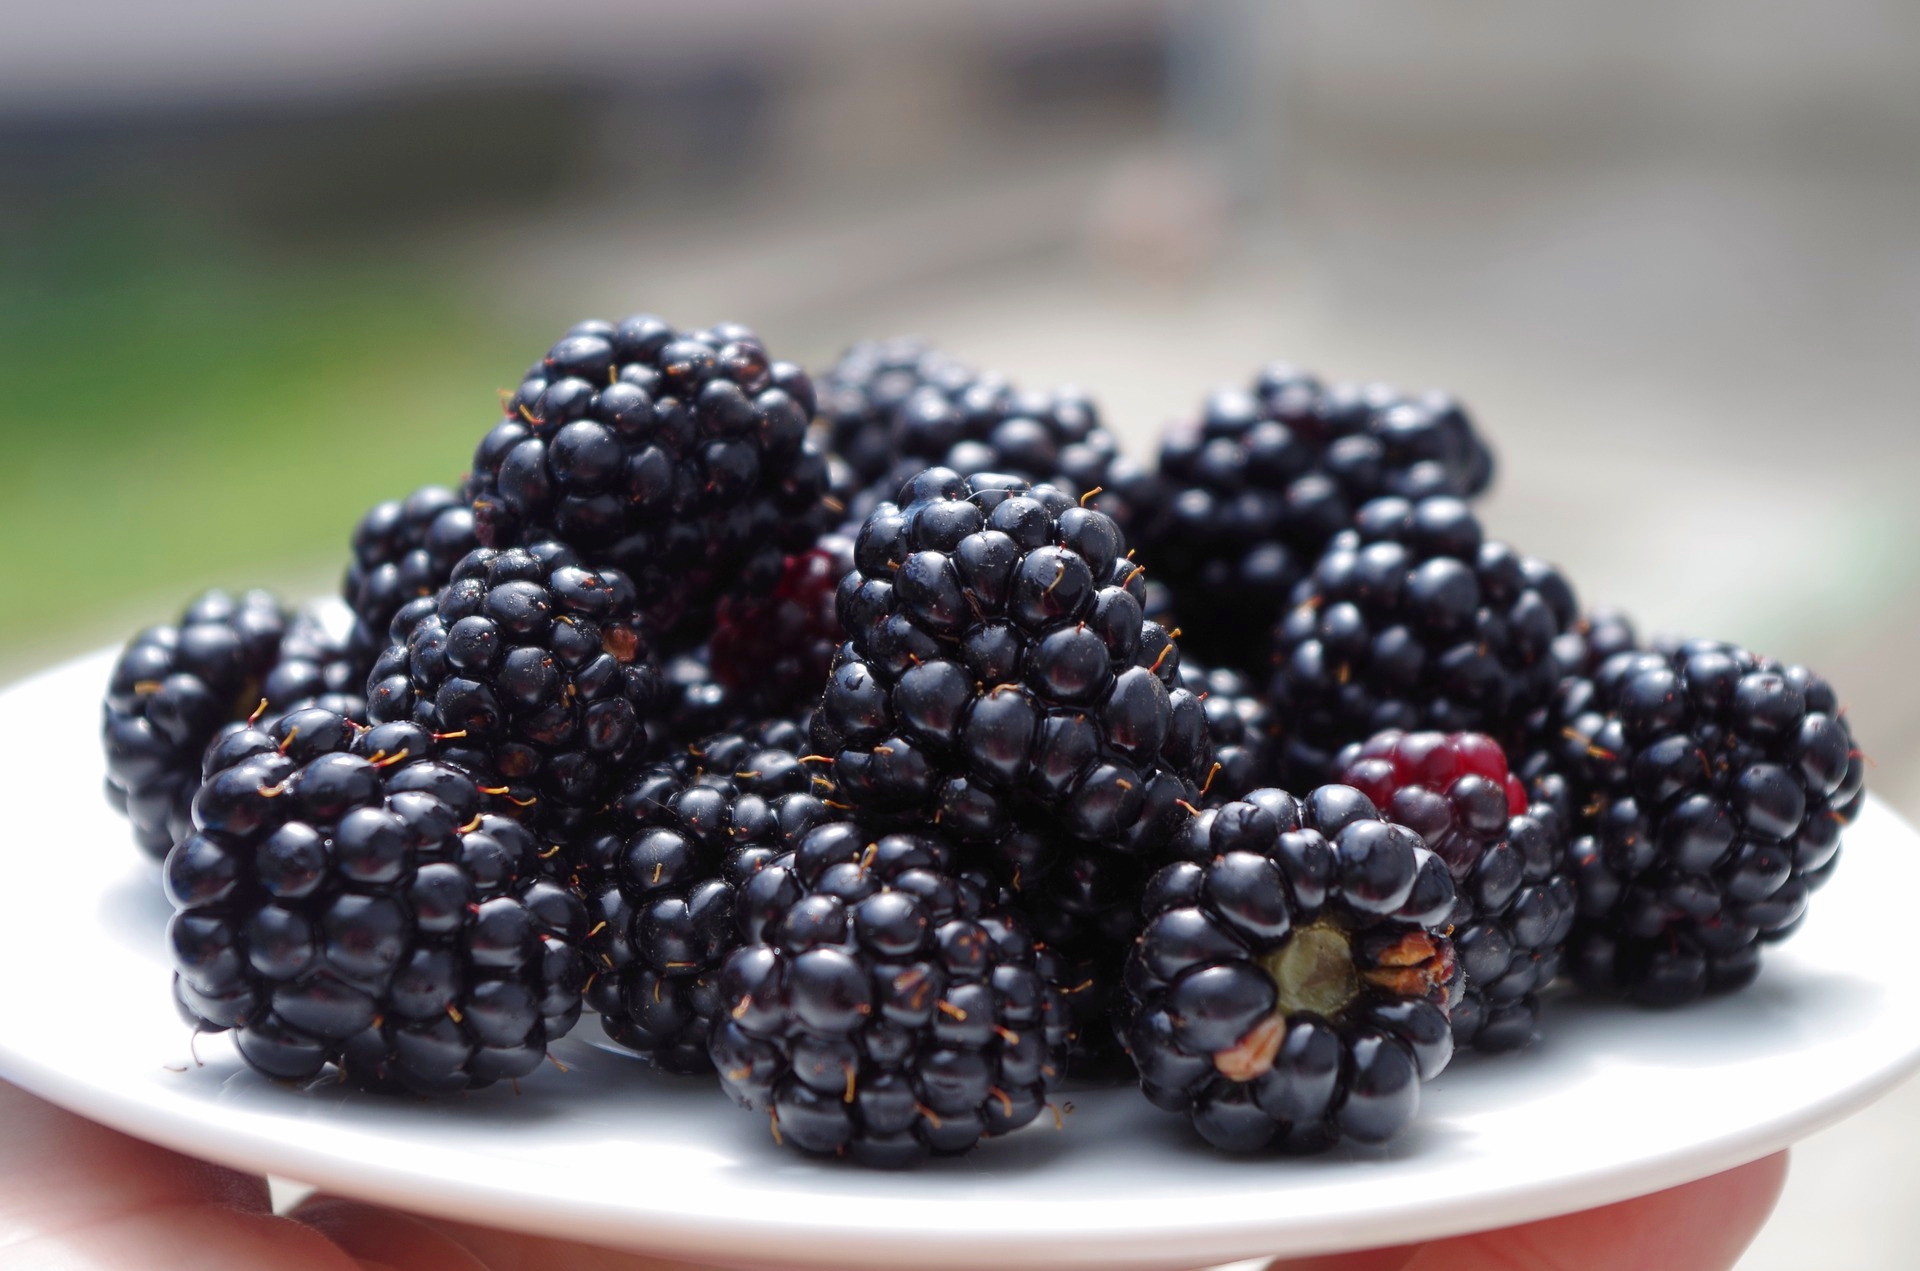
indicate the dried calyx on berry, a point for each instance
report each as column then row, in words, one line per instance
column 1514, row 901
column 1708, row 788
column 176, row 686
column 883, row 1004
column 1292, row 982
column 345, row 900
column 1262, row 480
column 660, row 871
column 1414, row 620
column 530, row 671
column 681, row 459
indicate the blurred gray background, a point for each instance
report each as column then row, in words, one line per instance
column 261, row 266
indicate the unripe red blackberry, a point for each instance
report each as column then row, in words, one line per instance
column 1513, row 902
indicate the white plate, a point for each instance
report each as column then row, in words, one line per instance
column 1613, row 1103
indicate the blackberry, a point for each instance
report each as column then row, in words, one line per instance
column 1292, row 982
column 340, row 902
column 1257, row 486
column 1413, row 620
column 997, row 672
column 403, row 549
column 1238, row 722
column 999, row 681
column 660, row 872
column 771, row 654
column 1710, row 787
column 895, row 407
column 531, row 672
column 1514, row 901
column 882, row 1004
column 175, row 686
column 681, row 459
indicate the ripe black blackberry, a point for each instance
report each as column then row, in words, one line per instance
column 896, row 407
column 1292, row 982
column 997, row 672
column 1413, row 620
column 999, row 681
column 1711, row 786
column 531, row 672
column 1513, row 903
column 679, row 458
column 1239, row 723
column 175, row 686
column 1257, row 486
column 403, row 549
column 344, row 901
column 882, row 1004
column 660, row 872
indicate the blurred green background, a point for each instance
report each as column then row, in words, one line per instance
column 262, row 266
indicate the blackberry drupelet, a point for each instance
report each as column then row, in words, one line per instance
column 1258, row 485
column 771, row 654
column 896, row 407
column 531, row 672
column 1292, row 982
column 1710, row 787
column 344, row 901
column 1413, row 620
column 681, row 459
column 403, row 549
column 660, row 873
column 883, row 1005
column 1513, row 902
column 174, row 687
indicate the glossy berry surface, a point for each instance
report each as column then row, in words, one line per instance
column 403, row 549
column 1291, row 985
column 681, row 459
column 530, row 671
column 896, row 407
column 175, row 686
column 660, row 872
column 342, row 902
column 1259, row 484
column 882, row 1005
column 1710, row 787
column 1514, row 902
column 1414, row 620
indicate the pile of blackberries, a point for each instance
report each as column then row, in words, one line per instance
column 897, row 750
